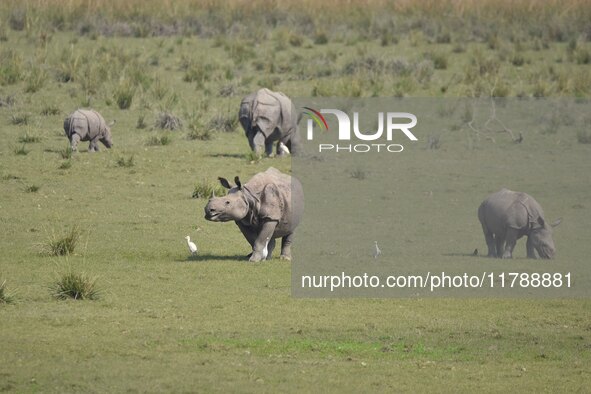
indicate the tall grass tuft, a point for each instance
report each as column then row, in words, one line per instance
column 62, row 245
column 6, row 297
column 32, row 189
column 75, row 286
column 20, row 119
column 226, row 123
column 584, row 137
column 50, row 109
column 204, row 189
column 28, row 138
column 124, row 95
column 21, row 151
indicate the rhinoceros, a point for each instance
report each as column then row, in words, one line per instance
column 268, row 206
column 87, row 125
column 506, row 216
column 267, row 117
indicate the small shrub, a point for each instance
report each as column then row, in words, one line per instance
column 75, row 286
column 7, row 101
column 63, row 245
column 65, row 165
column 50, row 109
column 204, row 189
column 123, row 162
column 20, row 119
column 6, row 297
column 167, row 121
column 159, row 141
column 22, row 151
column 295, row 40
column 584, row 137
column 28, row 138
column 32, row 189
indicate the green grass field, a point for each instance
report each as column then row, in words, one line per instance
column 165, row 322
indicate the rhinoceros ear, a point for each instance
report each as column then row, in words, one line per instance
column 237, row 181
column 556, row 222
column 224, row 182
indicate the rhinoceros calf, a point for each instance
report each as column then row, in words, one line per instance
column 87, row 125
column 507, row 216
column 269, row 206
column 268, row 117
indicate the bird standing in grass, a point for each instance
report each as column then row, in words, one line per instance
column 377, row 252
column 192, row 246
column 283, row 148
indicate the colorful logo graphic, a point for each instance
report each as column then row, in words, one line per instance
column 317, row 117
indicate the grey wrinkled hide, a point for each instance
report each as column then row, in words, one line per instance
column 268, row 117
column 269, row 206
column 87, row 125
column 506, row 216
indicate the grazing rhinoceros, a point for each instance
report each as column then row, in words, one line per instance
column 267, row 117
column 269, row 206
column 507, row 216
column 87, row 125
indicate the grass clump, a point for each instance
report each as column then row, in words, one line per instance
column 204, row 189
column 28, row 138
column 65, row 165
column 359, row 174
column 125, row 162
column 63, row 245
column 20, row 119
column 32, row 188
column 5, row 296
column 75, row 286
column 159, row 140
column 124, row 95
column 50, row 109
column 141, row 123
column 226, row 123
column 66, row 153
column 167, row 121
column 252, row 157
column 22, row 151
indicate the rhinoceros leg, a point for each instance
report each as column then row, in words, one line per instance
column 270, row 248
column 286, row 247
column 500, row 244
column 267, row 230
column 93, row 147
column 248, row 233
column 490, row 242
column 511, row 240
column 268, row 148
column 74, row 140
column 531, row 254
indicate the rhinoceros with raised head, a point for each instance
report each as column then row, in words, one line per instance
column 87, row 125
column 507, row 216
column 269, row 206
column 268, row 117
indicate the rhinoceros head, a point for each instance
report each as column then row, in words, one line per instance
column 232, row 206
column 541, row 238
column 106, row 137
